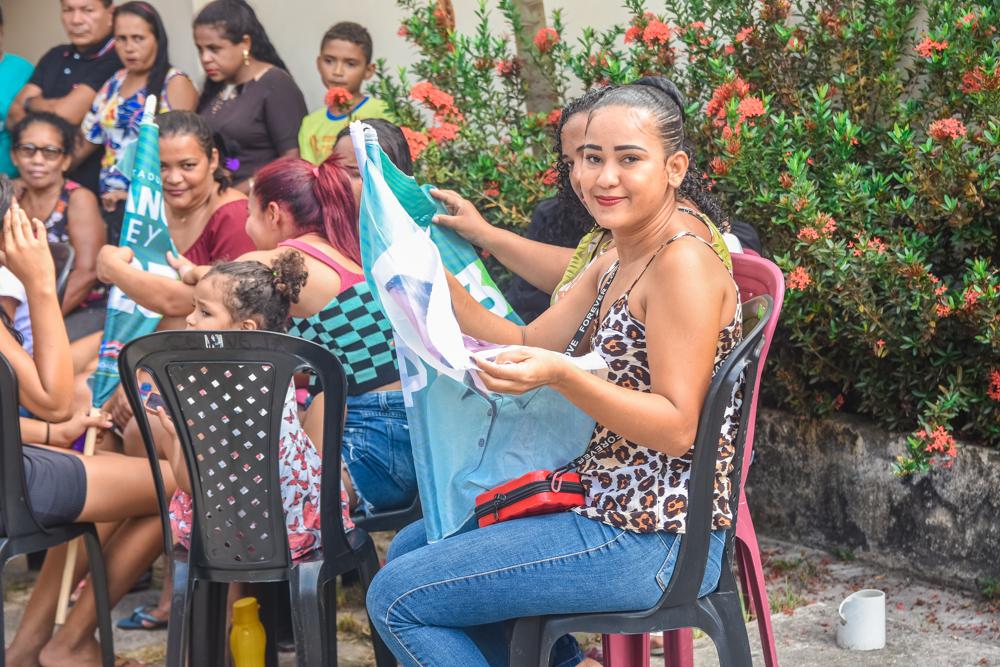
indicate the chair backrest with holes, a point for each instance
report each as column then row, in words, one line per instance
column 226, row 391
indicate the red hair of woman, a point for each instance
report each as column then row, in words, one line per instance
column 319, row 199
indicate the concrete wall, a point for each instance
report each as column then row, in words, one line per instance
column 830, row 484
column 295, row 27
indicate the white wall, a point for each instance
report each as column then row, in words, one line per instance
column 295, row 27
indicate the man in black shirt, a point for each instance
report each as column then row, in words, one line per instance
column 67, row 78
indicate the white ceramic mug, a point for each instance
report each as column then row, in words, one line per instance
column 862, row 621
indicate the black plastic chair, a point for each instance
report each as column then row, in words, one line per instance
column 24, row 534
column 718, row 614
column 63, row 256
column 225, row 391
column 391, row 520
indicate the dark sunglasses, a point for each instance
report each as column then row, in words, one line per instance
column 50, row 153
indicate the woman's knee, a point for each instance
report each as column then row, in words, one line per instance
column 408, row 539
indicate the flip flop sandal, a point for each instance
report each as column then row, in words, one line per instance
column 141, row 619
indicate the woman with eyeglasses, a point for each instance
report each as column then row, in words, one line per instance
column 42, row 143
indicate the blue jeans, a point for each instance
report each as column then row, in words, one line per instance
column 377, row 451
column 431, row 604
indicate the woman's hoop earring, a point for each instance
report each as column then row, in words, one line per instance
column 246, row 57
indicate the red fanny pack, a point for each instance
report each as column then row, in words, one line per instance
column 545, row 491
column 538, row 492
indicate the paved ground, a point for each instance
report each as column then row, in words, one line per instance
column 927, row 626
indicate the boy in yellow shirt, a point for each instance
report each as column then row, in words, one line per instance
column 344, row 63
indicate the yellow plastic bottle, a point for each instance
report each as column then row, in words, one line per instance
column 247, row 639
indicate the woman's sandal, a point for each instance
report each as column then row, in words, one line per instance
column 141, row 619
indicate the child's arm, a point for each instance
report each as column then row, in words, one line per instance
column 171, row 447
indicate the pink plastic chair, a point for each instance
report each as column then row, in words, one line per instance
column 755, row 276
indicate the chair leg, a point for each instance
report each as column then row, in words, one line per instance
column 3, row 566
column 310, row 616
column 722, row 618
column 525, row 643
column 208, row 623
column 180, row 614
column 269, row 594
column 99, row 584
column 367, row 569
column 678, row 648
column 625, row 650
column 752, row 575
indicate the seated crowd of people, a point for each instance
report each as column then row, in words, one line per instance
column 262, row 203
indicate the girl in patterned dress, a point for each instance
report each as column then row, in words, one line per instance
column 670, row 318
column 246, row 296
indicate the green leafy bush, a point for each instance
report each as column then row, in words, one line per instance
column 861, row 139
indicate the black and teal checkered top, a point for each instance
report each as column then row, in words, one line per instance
column 355, row 329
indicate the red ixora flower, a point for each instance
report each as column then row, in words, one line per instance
column 743, row 34
column 656, row 31
column 545, row 39
column 716, row 107
column 970, row 297
column 509, row 68
column 718, row 166
column 403, row 31
column 492, row 189
column 799, row 278
column 426, row 92
column 977, row 80
column 550, row 177
column 443, row 132
column 632, row 34
column 808, row 234
column 970, row 20
column 441, row 102
column 929, row 47
column 554, row 117
column 337, row 98
column 940, row 442
column 416, row 141
column 750, row 107
column 826, row 223
column 946, row 129
column 994, row 390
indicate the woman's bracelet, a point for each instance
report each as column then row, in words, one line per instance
column 48, row 432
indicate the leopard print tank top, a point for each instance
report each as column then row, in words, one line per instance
column 634, row 487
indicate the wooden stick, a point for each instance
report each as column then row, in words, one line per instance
column 67, row 578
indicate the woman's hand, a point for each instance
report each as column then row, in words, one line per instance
column 184, row 267
column 111, row 258
column 522, row 369
column 462, row 218
column 63, row 434
column 109, row 200
column 26, row 251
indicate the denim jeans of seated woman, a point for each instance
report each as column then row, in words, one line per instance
column 446, row 603
column 377, row 452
